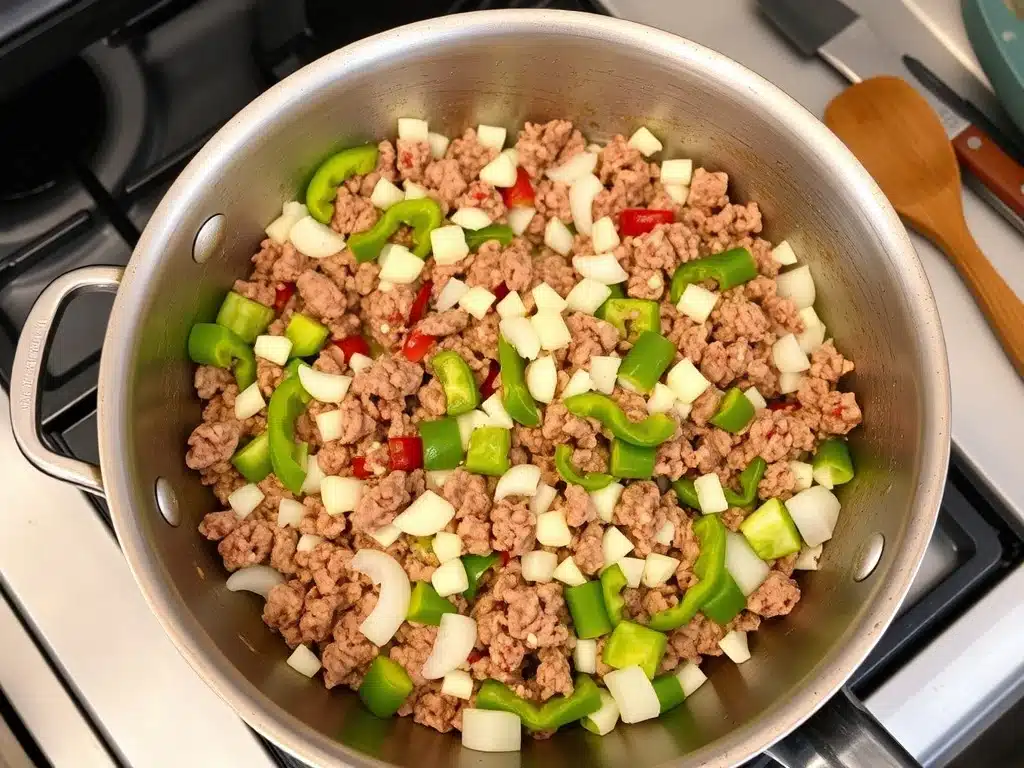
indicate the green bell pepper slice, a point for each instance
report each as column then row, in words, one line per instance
column 476, row 566
column 553, row 714
column 686, row 492
column 589, row 481
column 306, row 334
column 323, row 187
column 629, row 461
column 749, row 479
column 245, row 317
column 500, row 232
column 649, row 433
column 212, row 344
column 286, row 405
column 771, row 532
column 669, row 691
column 488, row 451
column 426, row 606
column 515, row 395
column 457, row 381
column 729, row 269
column 613, row 581
column 726, row 602
column 631, row 317
column 586, row 605
column 832, row 462
column 442, row 444
column 422, row 214
column 253, row 459
column 649, row 358
column 617, row 293
column 734, row 413
column 631, row 643
column 385, row 687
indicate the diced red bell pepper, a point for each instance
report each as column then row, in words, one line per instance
column 474, row 656
column 487, row 388
column 500, row 292
column 640, row 221
column 359, row 468
column 519, row 194
column 281, row 296
column 782, row 405
column 416, row 346
column 505, row 558
column 406, row 453
column 351, row 345
column 419, row 305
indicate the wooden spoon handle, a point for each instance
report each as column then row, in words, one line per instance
column 999, row 172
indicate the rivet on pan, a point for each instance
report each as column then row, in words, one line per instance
column 167, row 502
column 209, row 238
column 868, row 555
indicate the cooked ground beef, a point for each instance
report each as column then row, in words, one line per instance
column 525, row 637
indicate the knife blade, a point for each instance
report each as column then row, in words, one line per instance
column 833, row 31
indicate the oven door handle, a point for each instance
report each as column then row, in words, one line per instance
column 30, row 365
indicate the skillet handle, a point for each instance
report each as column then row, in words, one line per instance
column 842, row 734
column 29, row 367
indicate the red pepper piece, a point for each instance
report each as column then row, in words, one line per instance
column 359, row 468
column 406, row 453
column 281, row 296
column 474, row 656
column 350, row 345
column 487, row 388
column 505, row 558
column 500, row 292
column 640, row 221
column 782, row 405
column 419, row 305
column 416, row 346
column 519, row 194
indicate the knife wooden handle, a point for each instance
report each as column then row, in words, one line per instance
column 999, row 172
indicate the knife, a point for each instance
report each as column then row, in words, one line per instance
column 833, row 31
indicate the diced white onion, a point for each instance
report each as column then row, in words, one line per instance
column 783, row 254
column 604, row 719
column 690, row 677
column 393, row 603
column 604, row 268
column 666, row 534
column 468, row 422
column 290, row 512
column 385, row 194
column 579, row 383
column 815, row 512
column 520, row 480
column 249, row 402
column 488, row 730
column 491, row 136
column 542, row 378
column 311, row 483
column 603, row 370
column 557, row 236
column 813, row 335
column 658, row 569
column 511, row 306
column 471, row 218
column 587, row 295
column 677, row 192
column 499, row 417
column 519, row 219
column 273, row 348
column 542, row 498
column 520, row 333
column 661, row 400
column 551, row 330
column 604, row 236
column 258, row 579
column 386, row 535
column 316, row 240
column 644, row 141
column 438, row 477
column 585, row 656
column 304, row 661
column 605, row 500
column 710, row 495
column 323, row 386
column 808, row 558
column 500, row 172
column 569, row 574
column 412, row 129
column 455, row 639
column 401, row 267
column 538, row 565
column 512, row 154
column 438, row 145
column 447, row 546
column 697, row 302
column 747, row 569
column 308, row 542
column 789, row 382
column 677, row 172
column 547, row 298
column 449, row 244
column 552, row 530
column 453, row 290
column 341, row 494
column 581, row 201
column 614, row 545
column 686, row 381
column 330, row 426
column 458, row 684
column 633, row 570
column 476, row 301
column 426, row 516
column 804, row 474
column 414, row 191
column 245, row 499
column 576, row 167
column 633, row 693
column 756, row 398
column 280, row 227
column 383, row 285
column 735, row 646
column 796, row 285
column 787, row 355
column 682, row 409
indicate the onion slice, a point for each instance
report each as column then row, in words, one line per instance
column 426, row 516
column 455, row 640
column 322, row 386
column 576, row 167
column 259, row 579
column 488, row 730
column 393, row 604
column 520, row 480
column 581, row 201
column 633, row 693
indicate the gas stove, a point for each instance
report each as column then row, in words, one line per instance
column 137, row 99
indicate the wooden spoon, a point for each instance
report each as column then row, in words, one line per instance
column 899, row 139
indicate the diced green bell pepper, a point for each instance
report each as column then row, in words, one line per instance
column 617, row 293
column 516, row 397
column 385, row 687
column 442, row 443
column 426, row 606
column 245, row 317
column 728, row 269
column 632, row 643
column 634, row 462
column 726, row 602
column 476, row 566
column 771, row 532
column 686, row 492
column 323, row 187
column 212, row 344
column 631, row 317
column 457, row 381
column 832, row 462
column 253, row 459
column 306, row 334
column 613, row 581
column 669, row 691
column 734, row 413
column 423, row 214
column 589, row 481
column 652, row 431
column 488, row 451
column 553, row 714
column 500, row 232
column 749, row 479
column 649, row 358
column 286, row 405
column 586, row 605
